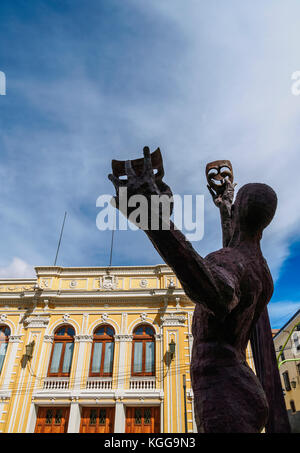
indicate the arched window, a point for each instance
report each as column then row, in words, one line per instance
column 62, row 351
column 102, row 351
column 143, row 351
column 4, row 336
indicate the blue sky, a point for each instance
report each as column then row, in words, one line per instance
column 90, row 81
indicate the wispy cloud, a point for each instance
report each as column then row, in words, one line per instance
column 17, row 268
column 201, row 80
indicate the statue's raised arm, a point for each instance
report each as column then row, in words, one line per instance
column 231, row 288
column 203, row 281
column 219, row 176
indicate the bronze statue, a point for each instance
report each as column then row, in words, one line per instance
column 230, row 288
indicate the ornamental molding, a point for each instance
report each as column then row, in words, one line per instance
column 104, row 317
column 173, row 319
column 73, row 283
column 119, row 396
column 36, row 321
column 108, row 282
column 76, row 272
column 143, row 316
column 45, row 283
column 121, row 337
column 143, row 283
column 83, row 338
column 19, row 288
column 15, row 339
column 3, row 317
column 97, row 296
column 171, row 282
column 48, row 338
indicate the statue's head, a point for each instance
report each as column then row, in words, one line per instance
column 254, row 208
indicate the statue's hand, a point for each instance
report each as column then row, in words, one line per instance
column 225, row 199
column 146, row 184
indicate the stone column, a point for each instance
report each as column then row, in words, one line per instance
column 74, row 417
column 10, row 359
column 122, row 340
column 119, row 416
column 31, row 417
column 80, row 341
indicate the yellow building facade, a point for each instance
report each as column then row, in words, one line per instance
column 287, row 347
column 96, row 350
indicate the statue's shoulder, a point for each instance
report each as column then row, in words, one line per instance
column 220, row 255
column 228, row 260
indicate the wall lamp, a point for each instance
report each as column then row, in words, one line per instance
column 29, row 350
column 172, row 346
column 293, row 384
column 28, row 354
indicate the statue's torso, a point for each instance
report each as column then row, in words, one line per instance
column 223, row 341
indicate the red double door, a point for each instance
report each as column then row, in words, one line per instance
column 142, row 419
column 93, row 420
column 98, row 420
column 52, row 420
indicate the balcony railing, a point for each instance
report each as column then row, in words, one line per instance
column 56, row 384
column 142, row 383
column 146, row 383
column 99, row 384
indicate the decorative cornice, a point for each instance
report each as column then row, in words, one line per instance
column 97, row 296
column 100, row 271
column 15, row 339
column 36, row 321
column 173, row 319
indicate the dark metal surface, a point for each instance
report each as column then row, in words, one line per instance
column 231, row 288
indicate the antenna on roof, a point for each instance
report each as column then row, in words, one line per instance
column 111, row 246
column 62, row 229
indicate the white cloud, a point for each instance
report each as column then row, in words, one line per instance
column 234, row 101
column 212, row 81
column 17, row 268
